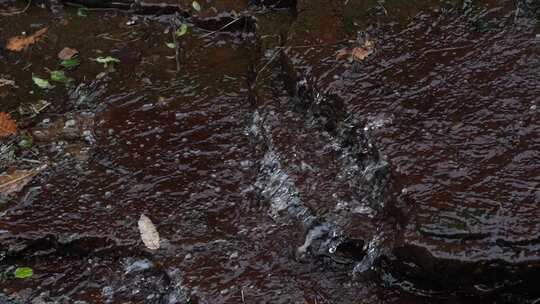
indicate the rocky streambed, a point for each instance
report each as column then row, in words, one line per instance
column 305, row 152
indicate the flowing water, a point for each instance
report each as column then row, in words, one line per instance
column 409, row 177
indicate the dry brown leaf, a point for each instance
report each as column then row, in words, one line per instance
column 7, row 125
column 14, row 182
column 67, row 53
column 361, row 53
column 358, row 53
column 149, row 233
column 19, row 43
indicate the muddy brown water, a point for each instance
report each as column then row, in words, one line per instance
column 412, row 177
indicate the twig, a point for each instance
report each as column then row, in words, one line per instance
column 268, row 63
column 242, row 292
column 447, row 49
column 5, row 13
column 312, row 45
column 222, row 28
column 516, row 16
column 30, row 160
column 100, row 9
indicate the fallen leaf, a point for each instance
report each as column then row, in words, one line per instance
column 361, row 53
column 7, row 125
column 60, row 76
column 106, row 61
column 42, row 83
column 149, row 233
column 358, row 53
column 14, row 182
column 196, row 6
column 19, row 43
column 70, row 63
column 67, row 53
column 23, row 272
column 82, row 12
column 182, row 30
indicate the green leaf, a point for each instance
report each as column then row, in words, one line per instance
column 106, row 61
column 70, row 63
column 170, row 45
column 60, row 76
column 23, row 272
column 196, row 6
column 82, row 12
column 42, row 83
column 182, row 30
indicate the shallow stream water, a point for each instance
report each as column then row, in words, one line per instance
column 412, row 177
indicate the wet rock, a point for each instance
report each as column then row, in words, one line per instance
column 463, row 216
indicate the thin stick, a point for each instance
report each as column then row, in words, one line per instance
column 267, row 64
column 222, row 28
column 30, row 160
column 447, row 49
column 5, row 13
column 516, row 16
column 311, row 45
column 242, row 291
column 100, row 9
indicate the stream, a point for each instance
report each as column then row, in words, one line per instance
column 276, row 166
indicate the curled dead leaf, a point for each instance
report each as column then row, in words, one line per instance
column 149, row 233
column 14, row 182
column 358, row 53
column 19, row 43
column 67, row 53
column 7, row 125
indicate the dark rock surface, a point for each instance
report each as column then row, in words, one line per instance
column 452, row 99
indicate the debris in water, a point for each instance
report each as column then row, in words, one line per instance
column 14, row 182
column 19, row 43
column 7, row 125
column 149, row 233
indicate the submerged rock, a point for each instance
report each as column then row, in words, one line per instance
column 460, row 142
